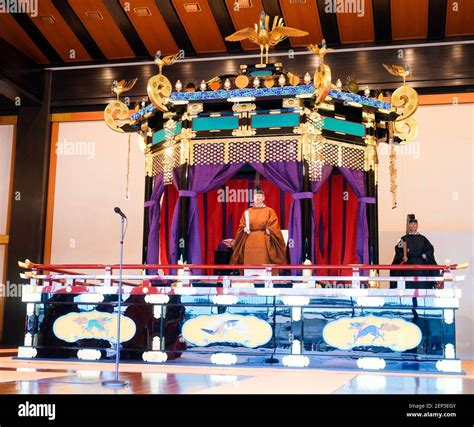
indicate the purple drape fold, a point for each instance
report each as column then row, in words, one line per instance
column 153, row 245
column 201, row 179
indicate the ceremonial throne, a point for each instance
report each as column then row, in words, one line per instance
column 313, row 148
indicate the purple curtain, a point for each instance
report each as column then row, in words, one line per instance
column 201, row 179
column 356, row 180
column 153, row 204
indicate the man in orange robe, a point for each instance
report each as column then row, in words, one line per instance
column 259, row 239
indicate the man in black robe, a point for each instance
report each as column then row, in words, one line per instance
column 419, row 250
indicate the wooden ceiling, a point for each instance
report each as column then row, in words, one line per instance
column 72, row 31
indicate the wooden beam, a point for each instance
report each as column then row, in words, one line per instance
column 28, row 203
column 127, row 29
column 77, row 27
column 181, row 38
column 437, row 19
column 35, row 34
column 382, row 21
column 328, row 25
column 224, row 22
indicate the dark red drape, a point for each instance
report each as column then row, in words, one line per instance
column 336, row 211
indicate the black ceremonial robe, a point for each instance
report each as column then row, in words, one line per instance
column 417, row 245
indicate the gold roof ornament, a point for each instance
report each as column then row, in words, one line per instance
column 159, row 87
column 404, row 102
column 264, row 37
column 322, row 75
column 116, row 113
column 397, row 70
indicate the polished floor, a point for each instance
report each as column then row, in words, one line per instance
column 55, row 377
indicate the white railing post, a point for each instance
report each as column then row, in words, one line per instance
column 355, row 273
column 108, row 272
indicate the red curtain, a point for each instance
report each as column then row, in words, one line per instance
column 336, row 209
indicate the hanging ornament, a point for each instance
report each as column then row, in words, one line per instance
column 352, row 83
column 227, row 84
column 339, row 84
column 307, row 79
column 178, row 86
column 256, row 82
column 367, row 91
column 203, row 85
column 282, row 80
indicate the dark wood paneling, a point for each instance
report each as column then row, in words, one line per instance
column 243, row 18
column 151, row 29
column 121, row 19
column 382, row 22
column 201, row 27
column 35, row 34
column 78, row 28
column 72, row 87
column 28, row 206
column 303, row 16
column 105, row 32
column 12, row 32
column 459, row 18
column 59, row 34
column 176, row 27
column 409, row 19
column 354, row 28
column 224, row 22
column 436, row 19
column 328, row 24
column 19, row 75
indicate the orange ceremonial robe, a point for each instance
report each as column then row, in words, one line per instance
column 258, row 247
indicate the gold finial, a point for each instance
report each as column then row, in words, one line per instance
column 123, row 86
column 397, row 70
column 262, row 36
column 167, row 60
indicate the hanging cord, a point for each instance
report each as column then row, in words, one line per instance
column 128, row 170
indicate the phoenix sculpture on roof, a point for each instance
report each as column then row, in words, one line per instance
column 263, row 36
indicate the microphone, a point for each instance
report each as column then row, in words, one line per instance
column 118, row 210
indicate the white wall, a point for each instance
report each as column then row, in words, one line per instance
column 435, row 182
column 90, row 181
column 6, row 145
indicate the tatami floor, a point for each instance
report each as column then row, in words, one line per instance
column 58, row 377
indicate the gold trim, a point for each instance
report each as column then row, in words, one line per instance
column 4, row 238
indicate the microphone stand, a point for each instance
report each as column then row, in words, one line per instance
column 116, row 383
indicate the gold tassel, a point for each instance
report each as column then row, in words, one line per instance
column 393, row 174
